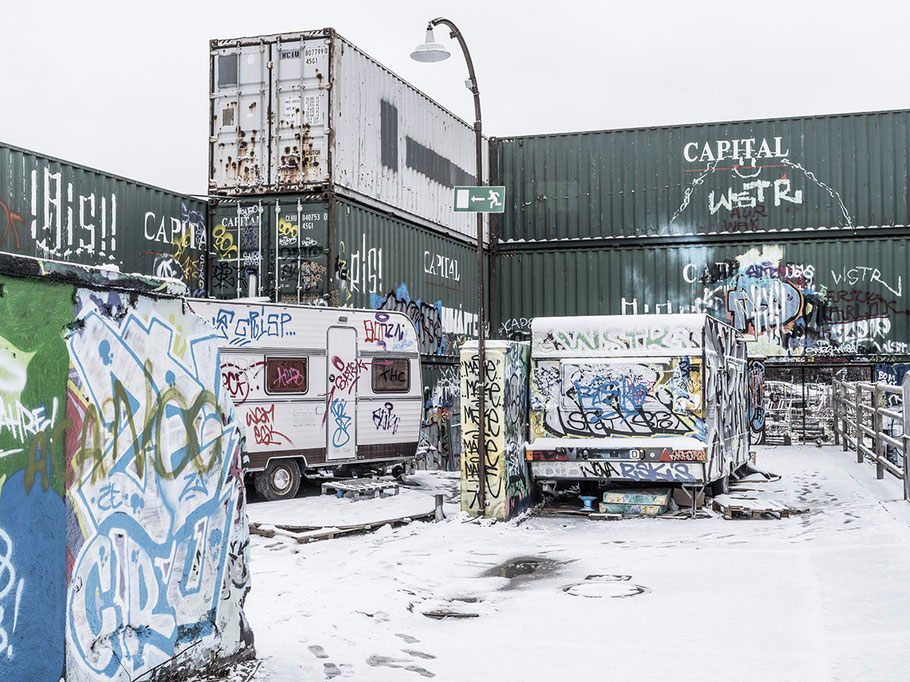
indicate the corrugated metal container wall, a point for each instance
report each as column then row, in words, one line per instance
column 797, row 298
column 57, row 210
column 386, row 263
column 262, row 236
column 843, row 171
column 292, row 112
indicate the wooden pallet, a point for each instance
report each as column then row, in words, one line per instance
column 732, row 507
column 305, row 534
column 359, row 490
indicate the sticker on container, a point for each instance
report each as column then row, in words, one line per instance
column 312, row 110
column 291, row 110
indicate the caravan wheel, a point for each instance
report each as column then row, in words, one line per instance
column 280, row 480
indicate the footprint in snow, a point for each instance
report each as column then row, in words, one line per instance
column 318, row 651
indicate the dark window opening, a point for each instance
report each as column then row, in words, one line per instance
column 391, row 375
column 285, row 375
column 227, row 70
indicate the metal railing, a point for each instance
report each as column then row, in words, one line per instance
column 861, row 410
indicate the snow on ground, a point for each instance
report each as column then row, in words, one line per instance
column 818, row 596
column 415, row 496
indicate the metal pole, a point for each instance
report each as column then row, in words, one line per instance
column 481, row 325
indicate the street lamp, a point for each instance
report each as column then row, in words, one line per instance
column 431, row 51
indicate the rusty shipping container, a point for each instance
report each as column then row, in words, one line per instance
column 839, row 172
column 57, row 210
column 301, row 112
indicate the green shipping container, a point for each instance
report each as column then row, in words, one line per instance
column 57, row 210
column 819, row 298
column 812, row 173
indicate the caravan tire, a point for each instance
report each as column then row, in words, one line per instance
column 279, row 481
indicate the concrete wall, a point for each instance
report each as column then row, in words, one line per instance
column 123, row 534
column 506, row 479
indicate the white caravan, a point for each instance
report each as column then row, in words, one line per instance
column 318, row 390
column 646, row 398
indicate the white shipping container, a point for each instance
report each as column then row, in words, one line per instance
column 293, row 112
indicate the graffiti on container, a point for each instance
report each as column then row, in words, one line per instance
column 11, row 220
column 10, row 595
column 242, row 328
column 341, row 435
column 65, row 223
column 427, row 318
column 385, row 419
column 518, row 328
column 761, row 177
column 441, row 266
column 289, row 377
column 223, row 241
column 361, row 271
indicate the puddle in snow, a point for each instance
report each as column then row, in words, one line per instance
column 523, row 568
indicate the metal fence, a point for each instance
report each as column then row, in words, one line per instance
column 869, row 419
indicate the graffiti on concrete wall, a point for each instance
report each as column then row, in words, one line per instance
column 122, row 522
column 157, row 492
column 505, row 478
column 33, row 369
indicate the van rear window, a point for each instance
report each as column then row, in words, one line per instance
column 391, row 375
column 285, row 375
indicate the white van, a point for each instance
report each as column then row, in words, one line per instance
column 318, row 391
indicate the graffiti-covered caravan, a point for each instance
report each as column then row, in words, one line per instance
column 637, row 398
column 323, row 390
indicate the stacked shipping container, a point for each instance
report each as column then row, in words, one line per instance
column 794, row 230
column 334, row 181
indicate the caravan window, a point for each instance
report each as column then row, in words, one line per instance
column 391, row 375
column 285, row 375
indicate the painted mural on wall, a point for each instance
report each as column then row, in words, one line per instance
column 506, row 478
column 792, row 309
column 123, row 535
column 55, row 210
column 591, row 399
column 755, row 405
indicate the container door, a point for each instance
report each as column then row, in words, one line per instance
column 240, row 118
column 342, row 371
column 300, row 107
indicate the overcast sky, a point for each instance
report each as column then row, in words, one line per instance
column 123, row 86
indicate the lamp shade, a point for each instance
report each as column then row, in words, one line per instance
column 430, row 50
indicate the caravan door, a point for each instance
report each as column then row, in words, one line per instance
column 342, row 370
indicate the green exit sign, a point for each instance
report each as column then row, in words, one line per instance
column 480, row 199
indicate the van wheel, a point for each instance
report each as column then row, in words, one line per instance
column 280, row 480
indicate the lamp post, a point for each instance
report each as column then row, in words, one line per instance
column 431, row 51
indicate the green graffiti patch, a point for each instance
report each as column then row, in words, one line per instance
column 34, row 366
